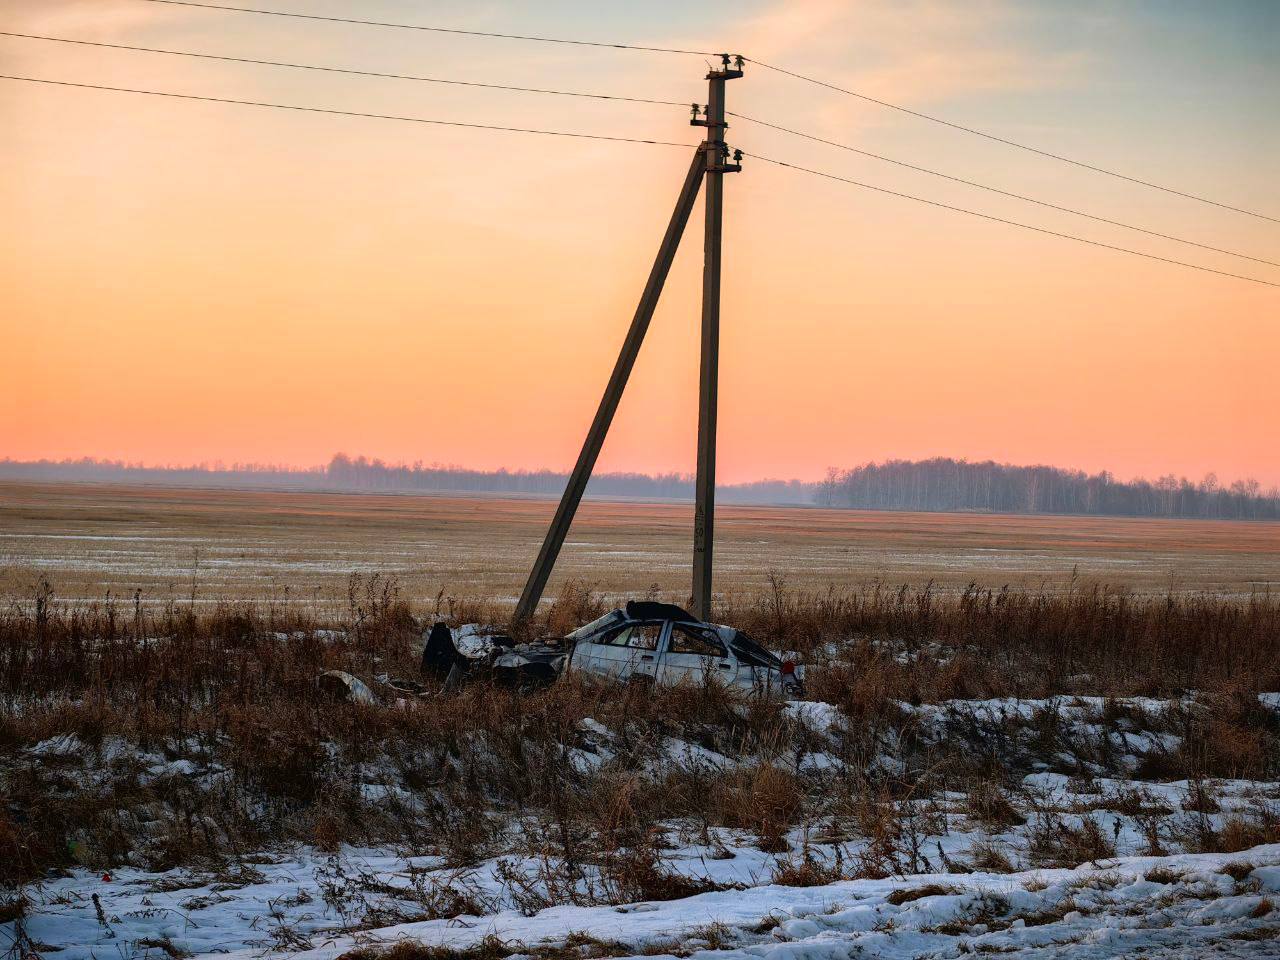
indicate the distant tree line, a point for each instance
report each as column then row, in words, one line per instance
column 360, row 473
column 940, row 484
column 375, row 476
column 90, row 470
column 946, row 484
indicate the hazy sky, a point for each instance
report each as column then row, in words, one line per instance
column 185, row 281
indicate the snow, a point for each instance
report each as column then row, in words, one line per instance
column 1006, row 707
column 1188, row 907
column 63, row 745
column 819, row 717
column 471, row 640
column 1268, row 878
column 314, row 905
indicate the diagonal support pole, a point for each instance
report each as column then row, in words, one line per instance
column 572, row 496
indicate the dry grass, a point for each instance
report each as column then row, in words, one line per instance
column 576, row 946
column 987, row 804
column 909, row 894
column 922, row 645
column 230, row 690
column 1057, row 843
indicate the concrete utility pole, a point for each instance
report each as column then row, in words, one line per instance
column 709, row 159
column 704, row 510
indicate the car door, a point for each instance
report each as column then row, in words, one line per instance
column 627, row 651
column 692, row 653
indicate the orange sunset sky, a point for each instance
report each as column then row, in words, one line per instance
column 185, row 282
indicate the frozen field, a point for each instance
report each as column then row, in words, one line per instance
column 303, row 546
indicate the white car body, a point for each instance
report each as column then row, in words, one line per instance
column 659, row 643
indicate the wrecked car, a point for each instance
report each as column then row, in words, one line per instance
column 655, row 642
column 643, row 642
column 453, row 657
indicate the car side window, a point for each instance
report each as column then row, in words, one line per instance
column 615, row 637
column 639, row 636
column 693, row 640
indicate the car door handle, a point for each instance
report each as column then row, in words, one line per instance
column 726, row 666
column 648, row 656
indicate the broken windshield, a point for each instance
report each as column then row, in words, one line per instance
column 587, row 630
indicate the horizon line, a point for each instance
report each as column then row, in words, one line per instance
column 223, row 466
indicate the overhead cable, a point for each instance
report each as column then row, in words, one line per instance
column 350, row 113
column 342, row 70
column 1012, row 143
column 431, row 29
column 1011, row 223
column 997, row 190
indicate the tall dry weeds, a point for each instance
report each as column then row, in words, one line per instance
column 230, row 690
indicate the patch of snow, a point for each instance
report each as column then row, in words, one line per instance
column 62, row 745
column 817, row 716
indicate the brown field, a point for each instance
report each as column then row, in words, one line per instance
column 173, row 543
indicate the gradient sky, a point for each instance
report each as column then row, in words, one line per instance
column 185, row 282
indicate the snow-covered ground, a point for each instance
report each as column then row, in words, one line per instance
column 1187, row 905
column 959, row 872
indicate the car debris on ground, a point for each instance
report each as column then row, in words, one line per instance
column 345, row 687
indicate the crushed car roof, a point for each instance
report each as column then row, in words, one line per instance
column 653, row 610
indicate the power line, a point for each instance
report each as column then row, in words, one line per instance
column 1013, row 143
column 349, row 113
column 1003, row 193
column 674, row 103
column 343, row 70
column 1011, row 223
column 666, row 143
column 411, row 26
column 706, row 53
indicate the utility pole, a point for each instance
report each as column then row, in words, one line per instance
column 704, row 509
column 710, row 159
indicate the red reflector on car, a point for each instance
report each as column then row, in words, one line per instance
column 788, row 667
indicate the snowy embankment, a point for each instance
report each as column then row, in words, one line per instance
column 1083, row 784
column 1184, row 905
